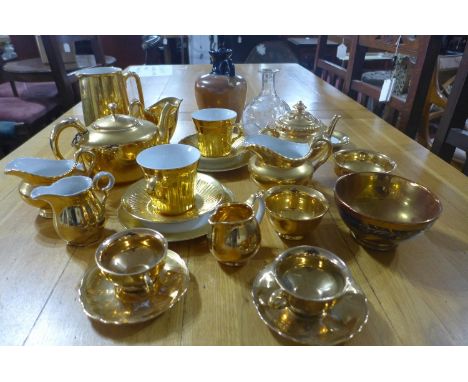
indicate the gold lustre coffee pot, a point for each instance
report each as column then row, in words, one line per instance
column 103, row 86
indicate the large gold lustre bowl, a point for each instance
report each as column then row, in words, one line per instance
column 381, row 210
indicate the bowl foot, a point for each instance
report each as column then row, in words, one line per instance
column 372, row 244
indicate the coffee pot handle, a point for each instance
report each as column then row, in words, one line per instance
column 57, row 130
column 137, row 106
column 325, row 154
column 84, row 156
column 257, row 196
column 104, row 189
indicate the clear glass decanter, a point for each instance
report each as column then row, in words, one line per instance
column 266, row 107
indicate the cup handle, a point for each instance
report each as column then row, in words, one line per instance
column 257, row 196
column 107, row 187
column 238, row 129
column 278, row 300
column 80, row 157
column 137, row 106
column 149, row 284
column 325, row 154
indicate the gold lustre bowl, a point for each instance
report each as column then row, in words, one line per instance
column 357, row 160
column 381, row 210
column 294, row 211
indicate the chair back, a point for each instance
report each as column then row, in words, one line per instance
column 328, row 67
column 64, row 81
column 403, row 111
column 451, row 132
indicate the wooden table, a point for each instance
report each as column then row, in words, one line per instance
column 417, row 295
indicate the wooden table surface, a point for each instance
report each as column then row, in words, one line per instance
column 418, row 295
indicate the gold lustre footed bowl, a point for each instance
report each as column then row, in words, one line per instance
column 294, row 211
column 381, row 210
column 357, row 160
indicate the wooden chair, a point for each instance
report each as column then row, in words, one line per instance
column 64, row 80
column 327, row 66
column 405, row 112
column 451, row 133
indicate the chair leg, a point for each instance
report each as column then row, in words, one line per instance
column 465, row 166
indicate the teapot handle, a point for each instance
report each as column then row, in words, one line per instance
column 80, row 157
column 325, row 154
column 137, row 106
column 107, row 187
column 257, row 196
column 57, row 130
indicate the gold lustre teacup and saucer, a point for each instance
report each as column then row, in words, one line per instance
column 215, row 131
column 138, row 210
column 170, row 172
column 136, row 279
column 307, row 295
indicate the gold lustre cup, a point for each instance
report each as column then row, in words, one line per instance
column 294, row 211
column 215, row 128
column 170, row 171
column 311, row 280
column 132, row 260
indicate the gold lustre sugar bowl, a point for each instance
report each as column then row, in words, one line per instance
column 381, row 210
column 311, row 280
column 116, row 140
column 358, row 160
column 294, row 211
column 132, row 260
column 300, row 126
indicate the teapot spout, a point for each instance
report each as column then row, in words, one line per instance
column 332, row 126
column 164, row 115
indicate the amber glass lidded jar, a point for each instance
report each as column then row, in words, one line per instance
column 222, row 88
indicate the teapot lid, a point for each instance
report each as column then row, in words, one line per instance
column 118, row 129
column 299, row 121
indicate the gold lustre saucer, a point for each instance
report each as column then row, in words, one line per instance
column 339, row 324
column 174, row 232
column 99, row 301
column 237, row 158
column 137, row 202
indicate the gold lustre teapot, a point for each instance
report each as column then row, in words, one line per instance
column 116, row 140
column 300, row 126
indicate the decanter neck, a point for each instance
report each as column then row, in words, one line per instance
column 268, row 82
